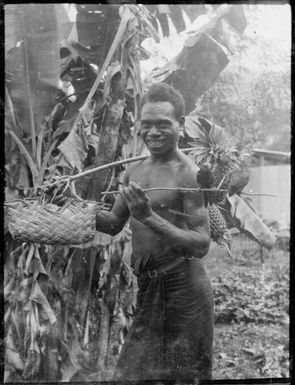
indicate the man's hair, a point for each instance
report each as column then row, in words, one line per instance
column 163, row 92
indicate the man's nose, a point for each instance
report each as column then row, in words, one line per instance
column 154, row 130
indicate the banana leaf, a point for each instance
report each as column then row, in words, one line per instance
column 74, row 150
column 37, row 296
column 236, row 18
column 195, row 69
column 97, row 25
column 12, row 28
column 32, row 64
column 193, row 127
column 249, row 222
column 161, row 11
column 64, row 23
column 12, row 356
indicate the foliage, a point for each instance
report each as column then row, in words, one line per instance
column 32, row 64
column 67, row 310
column 267, row 112
column 50, row 318
column 251, row 332
column 249, row 298
column 249, row 351
column 193, row 59
column 31, row 79
column 215, row 150
column 63, row 304
column 254, row 287
column 252, row 97
column 240, row 214
column 227, row 163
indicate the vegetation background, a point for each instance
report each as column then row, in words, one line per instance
column 72, row 84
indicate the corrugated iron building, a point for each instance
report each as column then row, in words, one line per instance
column 274, row 179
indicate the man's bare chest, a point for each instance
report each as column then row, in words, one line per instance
column 156, row 178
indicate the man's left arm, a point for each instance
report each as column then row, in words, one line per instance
column 194, row 240
column 197, row 220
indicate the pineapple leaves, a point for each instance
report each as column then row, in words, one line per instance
column 218, row 136
column 194, row 128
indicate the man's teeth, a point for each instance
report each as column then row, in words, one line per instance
column 155, row 142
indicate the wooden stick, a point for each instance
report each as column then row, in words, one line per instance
column 66, row 178
column 260, row 195
column 104, row 167
column 222, row 180
column 180, row 189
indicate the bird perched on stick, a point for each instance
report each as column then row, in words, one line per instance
column 205, row 179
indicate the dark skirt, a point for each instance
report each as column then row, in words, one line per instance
column 172, row 334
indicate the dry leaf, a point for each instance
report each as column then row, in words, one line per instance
column 38, row 296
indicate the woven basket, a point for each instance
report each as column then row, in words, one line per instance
column 71, row 224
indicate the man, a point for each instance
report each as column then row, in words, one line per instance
column 171, row 336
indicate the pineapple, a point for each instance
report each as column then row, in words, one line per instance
column 218, row 228
column 221, row 174
column 217, row 157
column 217, row 152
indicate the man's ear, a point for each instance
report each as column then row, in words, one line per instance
column 181, row 126
column 182, row 122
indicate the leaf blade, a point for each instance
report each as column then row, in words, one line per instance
column 33, row 65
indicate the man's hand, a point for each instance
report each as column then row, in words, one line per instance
column 139, row 204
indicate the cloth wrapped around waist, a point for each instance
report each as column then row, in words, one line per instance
column 141, row 264
column 172, row 333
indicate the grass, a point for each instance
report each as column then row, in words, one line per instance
column 251, row 311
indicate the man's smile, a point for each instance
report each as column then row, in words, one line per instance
column 155, row 142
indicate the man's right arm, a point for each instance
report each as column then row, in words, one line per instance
column 112, row 222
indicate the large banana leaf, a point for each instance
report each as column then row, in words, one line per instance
column 235, row 17
column 65, row 24
column 32, row 62
column 250, row 223
column 12, row 28
column 195, row 68
column 96, row 25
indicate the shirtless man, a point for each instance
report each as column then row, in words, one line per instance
column 171, row 336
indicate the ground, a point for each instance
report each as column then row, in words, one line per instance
column 251, row 295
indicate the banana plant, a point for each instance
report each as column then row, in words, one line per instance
column 37, row 337
column 31, row 79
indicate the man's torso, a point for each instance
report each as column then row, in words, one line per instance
column 169, row 175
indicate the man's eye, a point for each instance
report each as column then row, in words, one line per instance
column 160, row 126
column 163, row 126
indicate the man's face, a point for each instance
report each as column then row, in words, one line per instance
column 159, row 129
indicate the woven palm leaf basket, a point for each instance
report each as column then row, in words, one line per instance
column 30, row 220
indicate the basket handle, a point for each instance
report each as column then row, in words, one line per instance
column 74, row 192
